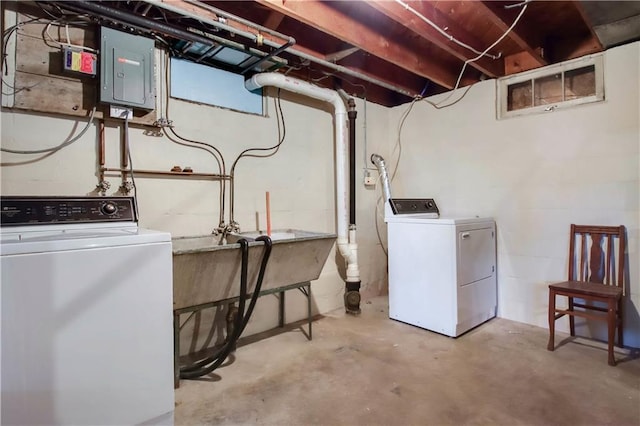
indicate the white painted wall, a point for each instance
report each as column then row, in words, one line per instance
column 300, row 178
column 535, row 175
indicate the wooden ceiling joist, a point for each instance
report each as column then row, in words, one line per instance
column 273, row 20
column 525, row 37
column 323, row 17
column 335, row 57
column 395, row 11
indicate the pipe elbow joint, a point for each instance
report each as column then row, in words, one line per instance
column 252, row 84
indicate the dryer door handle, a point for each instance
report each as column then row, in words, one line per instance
column 465, row 235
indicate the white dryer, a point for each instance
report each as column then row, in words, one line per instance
column 442, row 271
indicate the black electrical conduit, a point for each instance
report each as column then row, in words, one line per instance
column 210, row 363
column 144, row 23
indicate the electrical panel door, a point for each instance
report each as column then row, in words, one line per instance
column 126, row 70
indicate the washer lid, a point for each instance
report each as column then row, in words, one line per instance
column 23, row 241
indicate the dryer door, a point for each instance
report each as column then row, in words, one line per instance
column 476, row 255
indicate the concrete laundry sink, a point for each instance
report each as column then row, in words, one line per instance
column 204, row 271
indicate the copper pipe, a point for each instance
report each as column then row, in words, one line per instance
column 164, row 173
column 101, row 150
column 124, row 153
column 101, row 145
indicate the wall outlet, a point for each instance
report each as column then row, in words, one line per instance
column 369, row 180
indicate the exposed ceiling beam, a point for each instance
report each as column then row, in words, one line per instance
column 323, row 17
column 522, row 35
column 595, row 39
column 411, row 90
column 519, row 62
column 336, row 56
column 575, row 47
column 395, row 11
column 273, row 20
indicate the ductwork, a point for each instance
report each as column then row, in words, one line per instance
column 347, row 245
column 378, row 161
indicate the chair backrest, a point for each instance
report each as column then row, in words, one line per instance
column 592, row 254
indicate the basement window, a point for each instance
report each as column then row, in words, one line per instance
column 554, row 87
column 207, row 85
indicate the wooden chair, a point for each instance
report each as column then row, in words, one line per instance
column 594, row 277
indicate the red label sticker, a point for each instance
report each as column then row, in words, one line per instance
column 87, row 63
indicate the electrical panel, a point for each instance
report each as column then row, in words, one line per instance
column 127, row 69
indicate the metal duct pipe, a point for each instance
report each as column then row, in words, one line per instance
column 384, row 176
column 347, row 246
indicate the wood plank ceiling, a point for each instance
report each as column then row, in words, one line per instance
column 388, row 51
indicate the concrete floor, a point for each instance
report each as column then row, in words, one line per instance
column 371, row 370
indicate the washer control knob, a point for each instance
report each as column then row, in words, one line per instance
column 429, row 204
column 109, row 208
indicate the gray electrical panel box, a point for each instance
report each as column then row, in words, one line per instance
column 126, row 69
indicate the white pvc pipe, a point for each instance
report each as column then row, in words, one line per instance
column 346, row 241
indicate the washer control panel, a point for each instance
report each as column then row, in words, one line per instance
column 414, row 206
column 18, row 210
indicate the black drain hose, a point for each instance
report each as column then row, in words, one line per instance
column 210, row 363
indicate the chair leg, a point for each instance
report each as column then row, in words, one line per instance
column 572, row 319
column 620, row 317
column 552, row 319
column 612, row 318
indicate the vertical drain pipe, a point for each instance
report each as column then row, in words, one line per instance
column 352, row 289
column 347, row 246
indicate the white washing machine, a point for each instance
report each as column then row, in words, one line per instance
column 442, row 271
column 86, row 309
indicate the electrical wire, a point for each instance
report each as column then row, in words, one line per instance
column 468, row 61
column 275, row 148
column 187, row 142
column 67, row 20
column 439, row 105
column 6, row 35
column 61, row 44
column 55, row 148
column 216, row 152
column 444, row 33
column 127, row 147
column 398, row 148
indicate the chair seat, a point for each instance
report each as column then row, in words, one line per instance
column 588, row 289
